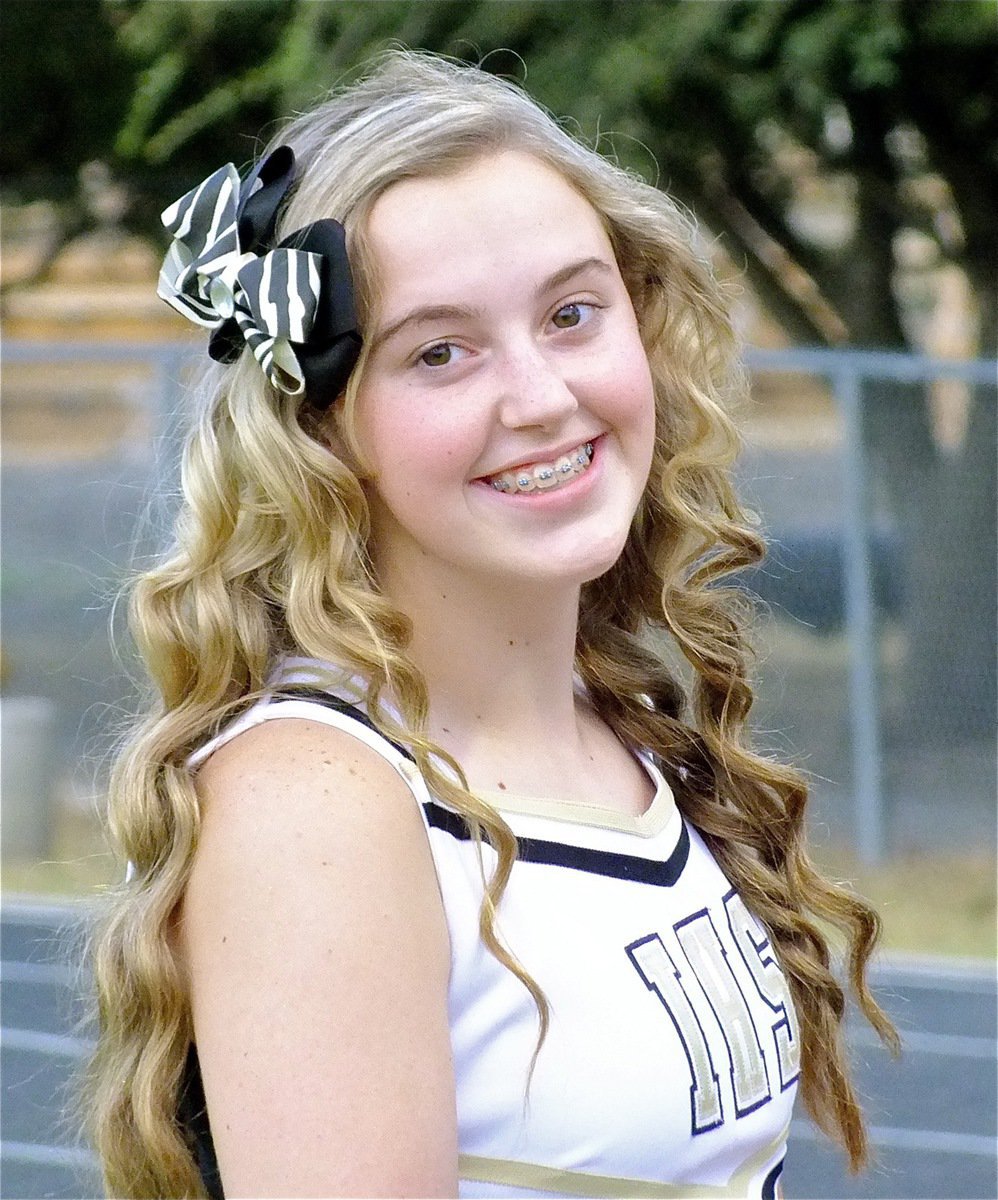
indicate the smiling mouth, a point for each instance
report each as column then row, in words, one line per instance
column 544, row 476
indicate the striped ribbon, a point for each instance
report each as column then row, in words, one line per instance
column 208, row 278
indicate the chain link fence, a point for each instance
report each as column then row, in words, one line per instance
column 873, row 476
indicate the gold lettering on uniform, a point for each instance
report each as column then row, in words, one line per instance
column 661, row 975
column 708, row 958
column 756, row 950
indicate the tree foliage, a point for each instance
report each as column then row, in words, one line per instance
column 728, row 101
column 743, row 109
column 56, row 113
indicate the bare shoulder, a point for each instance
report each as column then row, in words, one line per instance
column 295, row 812
column 286, row 783
column 315, row 941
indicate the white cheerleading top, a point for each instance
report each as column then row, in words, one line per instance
column 670, row 1064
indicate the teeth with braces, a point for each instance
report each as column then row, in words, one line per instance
column 542, row 476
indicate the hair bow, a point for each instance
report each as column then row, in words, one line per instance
column 291, row 304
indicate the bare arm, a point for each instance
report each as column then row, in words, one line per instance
column 314, row 935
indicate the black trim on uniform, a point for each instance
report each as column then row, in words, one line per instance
column 328, row 700
column 578, row 858
column 771, row 1180
column 192, row 1114
column 557, row 854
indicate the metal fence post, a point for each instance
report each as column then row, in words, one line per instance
column 860, row 623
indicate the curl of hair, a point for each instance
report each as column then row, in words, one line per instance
column 269, row 558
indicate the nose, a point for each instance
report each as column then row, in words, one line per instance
column 533, row 391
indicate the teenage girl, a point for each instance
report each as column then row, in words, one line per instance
column 441, row 881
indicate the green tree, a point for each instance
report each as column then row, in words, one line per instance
column 878, row 94
column 889, row 101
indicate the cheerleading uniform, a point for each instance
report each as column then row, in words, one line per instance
column 670, row 1065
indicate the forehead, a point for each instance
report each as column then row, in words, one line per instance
column 504, row 219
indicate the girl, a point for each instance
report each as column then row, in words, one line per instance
column 441, row 882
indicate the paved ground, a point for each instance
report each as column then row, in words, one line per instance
column 40, row 1045
column 933, row 1112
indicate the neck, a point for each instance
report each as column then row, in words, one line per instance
column 498, row 660
column 498, row 663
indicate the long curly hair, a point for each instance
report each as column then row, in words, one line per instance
column 270, row 557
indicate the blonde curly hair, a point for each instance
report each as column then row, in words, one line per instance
column 270, row 557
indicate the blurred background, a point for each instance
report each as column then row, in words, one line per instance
column 842, row 158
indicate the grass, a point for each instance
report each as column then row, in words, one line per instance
column 79, row 864
column 930, row 904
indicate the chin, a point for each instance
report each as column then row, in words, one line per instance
column 581, row 564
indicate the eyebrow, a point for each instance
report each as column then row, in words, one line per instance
column 457, row 312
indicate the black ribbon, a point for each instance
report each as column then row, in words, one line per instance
column 334, row 343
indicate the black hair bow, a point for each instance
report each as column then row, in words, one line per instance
column 292, row 304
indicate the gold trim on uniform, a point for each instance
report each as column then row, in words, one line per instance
column 530, row 1176
column 647, row 825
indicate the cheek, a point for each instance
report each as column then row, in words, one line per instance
column 413, row 447
column 640, row 390
column 625, row 383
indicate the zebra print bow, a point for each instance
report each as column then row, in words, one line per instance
column 292, row 305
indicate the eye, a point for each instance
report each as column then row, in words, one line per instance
column 439, row 355
column 569, row 316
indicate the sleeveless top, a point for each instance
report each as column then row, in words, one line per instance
column 671, row 1061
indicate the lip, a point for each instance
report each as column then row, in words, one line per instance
column 542, row 456
column 555, row 499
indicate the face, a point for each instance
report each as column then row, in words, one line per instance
column 507, row 410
